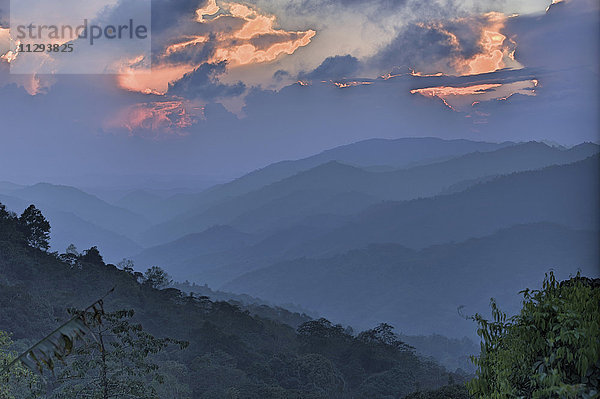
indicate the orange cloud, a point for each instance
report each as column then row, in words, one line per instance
column 211, row 8
column 155, row 119
column 445, row 91
column 154, row 82
column 496, row 49
column 466, row 97
column 32, row 83
column 343, row 85
column 237, row 33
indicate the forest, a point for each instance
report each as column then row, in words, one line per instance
column 141, row 338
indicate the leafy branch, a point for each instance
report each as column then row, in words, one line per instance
column 60, row 342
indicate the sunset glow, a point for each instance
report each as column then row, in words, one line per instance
column 256, row 40
column 463, row 98
column 445, row 91
column 155, row 82
column 153, row 119
column 343, row 85
column 8, row 55
column 421, row 74
column 211, row 9
column 496, row 49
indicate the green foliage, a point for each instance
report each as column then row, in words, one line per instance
column 383, row 334
column 36, row 228
column 448, row 392
column 60, row 342
column 17, row 382
column 375, row 364
column 117, row 364
column 232, row 353
column 550, row 350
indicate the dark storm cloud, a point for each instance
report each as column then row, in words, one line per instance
column 169, row 13
column 338, row 67
column 203, row 83
column 423, row 46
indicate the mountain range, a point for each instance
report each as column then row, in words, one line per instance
column 379, row 230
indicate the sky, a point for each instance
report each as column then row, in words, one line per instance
column 235, row 86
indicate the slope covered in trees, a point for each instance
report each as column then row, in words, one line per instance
column 420, row 291
column 230, row 352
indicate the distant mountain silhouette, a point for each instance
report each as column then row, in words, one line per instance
column 141, row 202
column 214, row 240
column 67, row 228
column 566, row 195
column 7, row 187
column 340, row 189
column 77, row 215
column 84, row 205
column 375, row 154
column 420, row 291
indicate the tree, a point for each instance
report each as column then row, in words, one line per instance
column 117, row 364
column 72, row 250
column 36, row 228
column 383, row 334
column 71, row 255
column 4, row 214
column 92, row 256
column 551, row 349
column 126, row 265
column 157, row 278
column 10, row 228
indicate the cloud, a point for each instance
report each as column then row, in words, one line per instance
column 4, row 13
column 334, row 68
column 281, row 74
column 193, row 36
column 203, row 83
column 566, row 36
column 306, row 119
column 156, row 120
column 167, row 14
column 468, row 45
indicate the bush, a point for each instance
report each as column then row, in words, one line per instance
column 550, row 350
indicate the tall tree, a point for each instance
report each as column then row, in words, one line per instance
column 36, row 228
